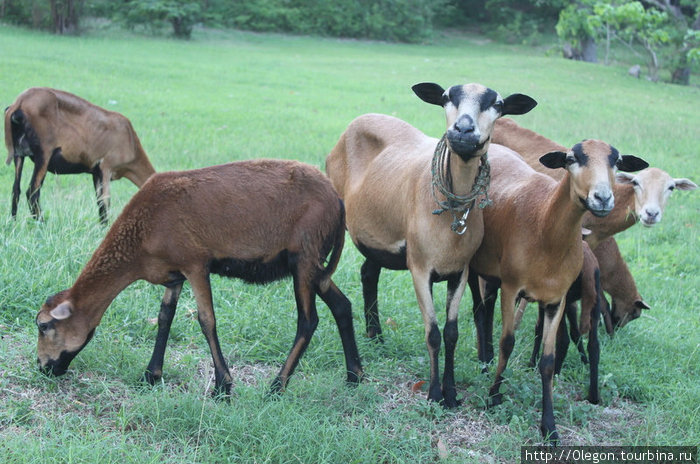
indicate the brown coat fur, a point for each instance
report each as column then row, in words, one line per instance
column 396, row 215
column 64, row 133
column 260, row 221
column 532, row 244
column 531, row 146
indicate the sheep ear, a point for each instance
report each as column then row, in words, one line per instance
column 641, row 304
column 631, row 163
column 685, row 184
column 62, row 311
column 429, row 92
column 624, row 178
column 554, row 159
column 518, row 103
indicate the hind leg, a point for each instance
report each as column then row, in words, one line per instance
column 34, row 190
column 307, row 320
column 341, row 309
column 19, row 163
column 199, row 280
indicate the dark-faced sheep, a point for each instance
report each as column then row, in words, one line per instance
column 65, row 134
column 258, row 221
column 639, row 197
column 382, row 167
column 532, row 240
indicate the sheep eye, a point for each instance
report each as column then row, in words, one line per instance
column 43, row 327
column 498, row 106
column 635, row 183
column 671, row 187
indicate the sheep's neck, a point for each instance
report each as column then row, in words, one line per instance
column 96, row 287
column 463, row 174
column 563, row 215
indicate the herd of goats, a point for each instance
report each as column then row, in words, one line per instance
column 490, row 205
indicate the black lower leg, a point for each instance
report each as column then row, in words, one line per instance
column 370, row 280
column 562, row 346
column 154, row 371
column 342, row 313
column 538, row 337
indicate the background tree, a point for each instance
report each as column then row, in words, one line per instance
column 65, row 15
column 181, row 15
column 686, row 39
column 578, row 32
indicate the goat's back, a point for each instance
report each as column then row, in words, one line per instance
column 374, row 146
column 249, row 210
column 528, row 144
column 86, row 133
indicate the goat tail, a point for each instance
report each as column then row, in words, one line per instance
column 14, row 127
column 338, row 242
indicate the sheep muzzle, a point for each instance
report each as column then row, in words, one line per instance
column 465, row 146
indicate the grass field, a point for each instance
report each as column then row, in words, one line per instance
column 228, row 96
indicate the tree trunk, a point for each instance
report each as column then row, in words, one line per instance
column 589, row 51
column 64, row 16
column 653, row 64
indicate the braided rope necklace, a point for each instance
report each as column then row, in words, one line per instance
column 442, row 182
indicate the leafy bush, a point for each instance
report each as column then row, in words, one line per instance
column 394, row 20
column 154, row 14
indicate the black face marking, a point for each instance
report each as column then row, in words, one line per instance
column 59, row 366
column 613, row 157
column 487, row 100
column 386, row 259
column 456, row 95
column 254, row 271
column 579, row 155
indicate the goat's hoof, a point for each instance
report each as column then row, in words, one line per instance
column 551, row 438
column 354, row 378
column 150, row 378
column 451, row 403
column 495, row 400
column 276, row 389
column 593, row 400
column 222, row 392
column 435, row 394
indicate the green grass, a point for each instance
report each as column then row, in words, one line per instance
column 228, row 96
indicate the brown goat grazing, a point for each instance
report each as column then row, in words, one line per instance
column 381, row 166
column 64, row 134
column 257, row 220
column 616, row 279
column 532, row 240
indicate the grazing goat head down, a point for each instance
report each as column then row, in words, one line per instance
column 381, row 167
column 258, row 221
column 652, row 187
column 627, row 303
column 65, row 134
